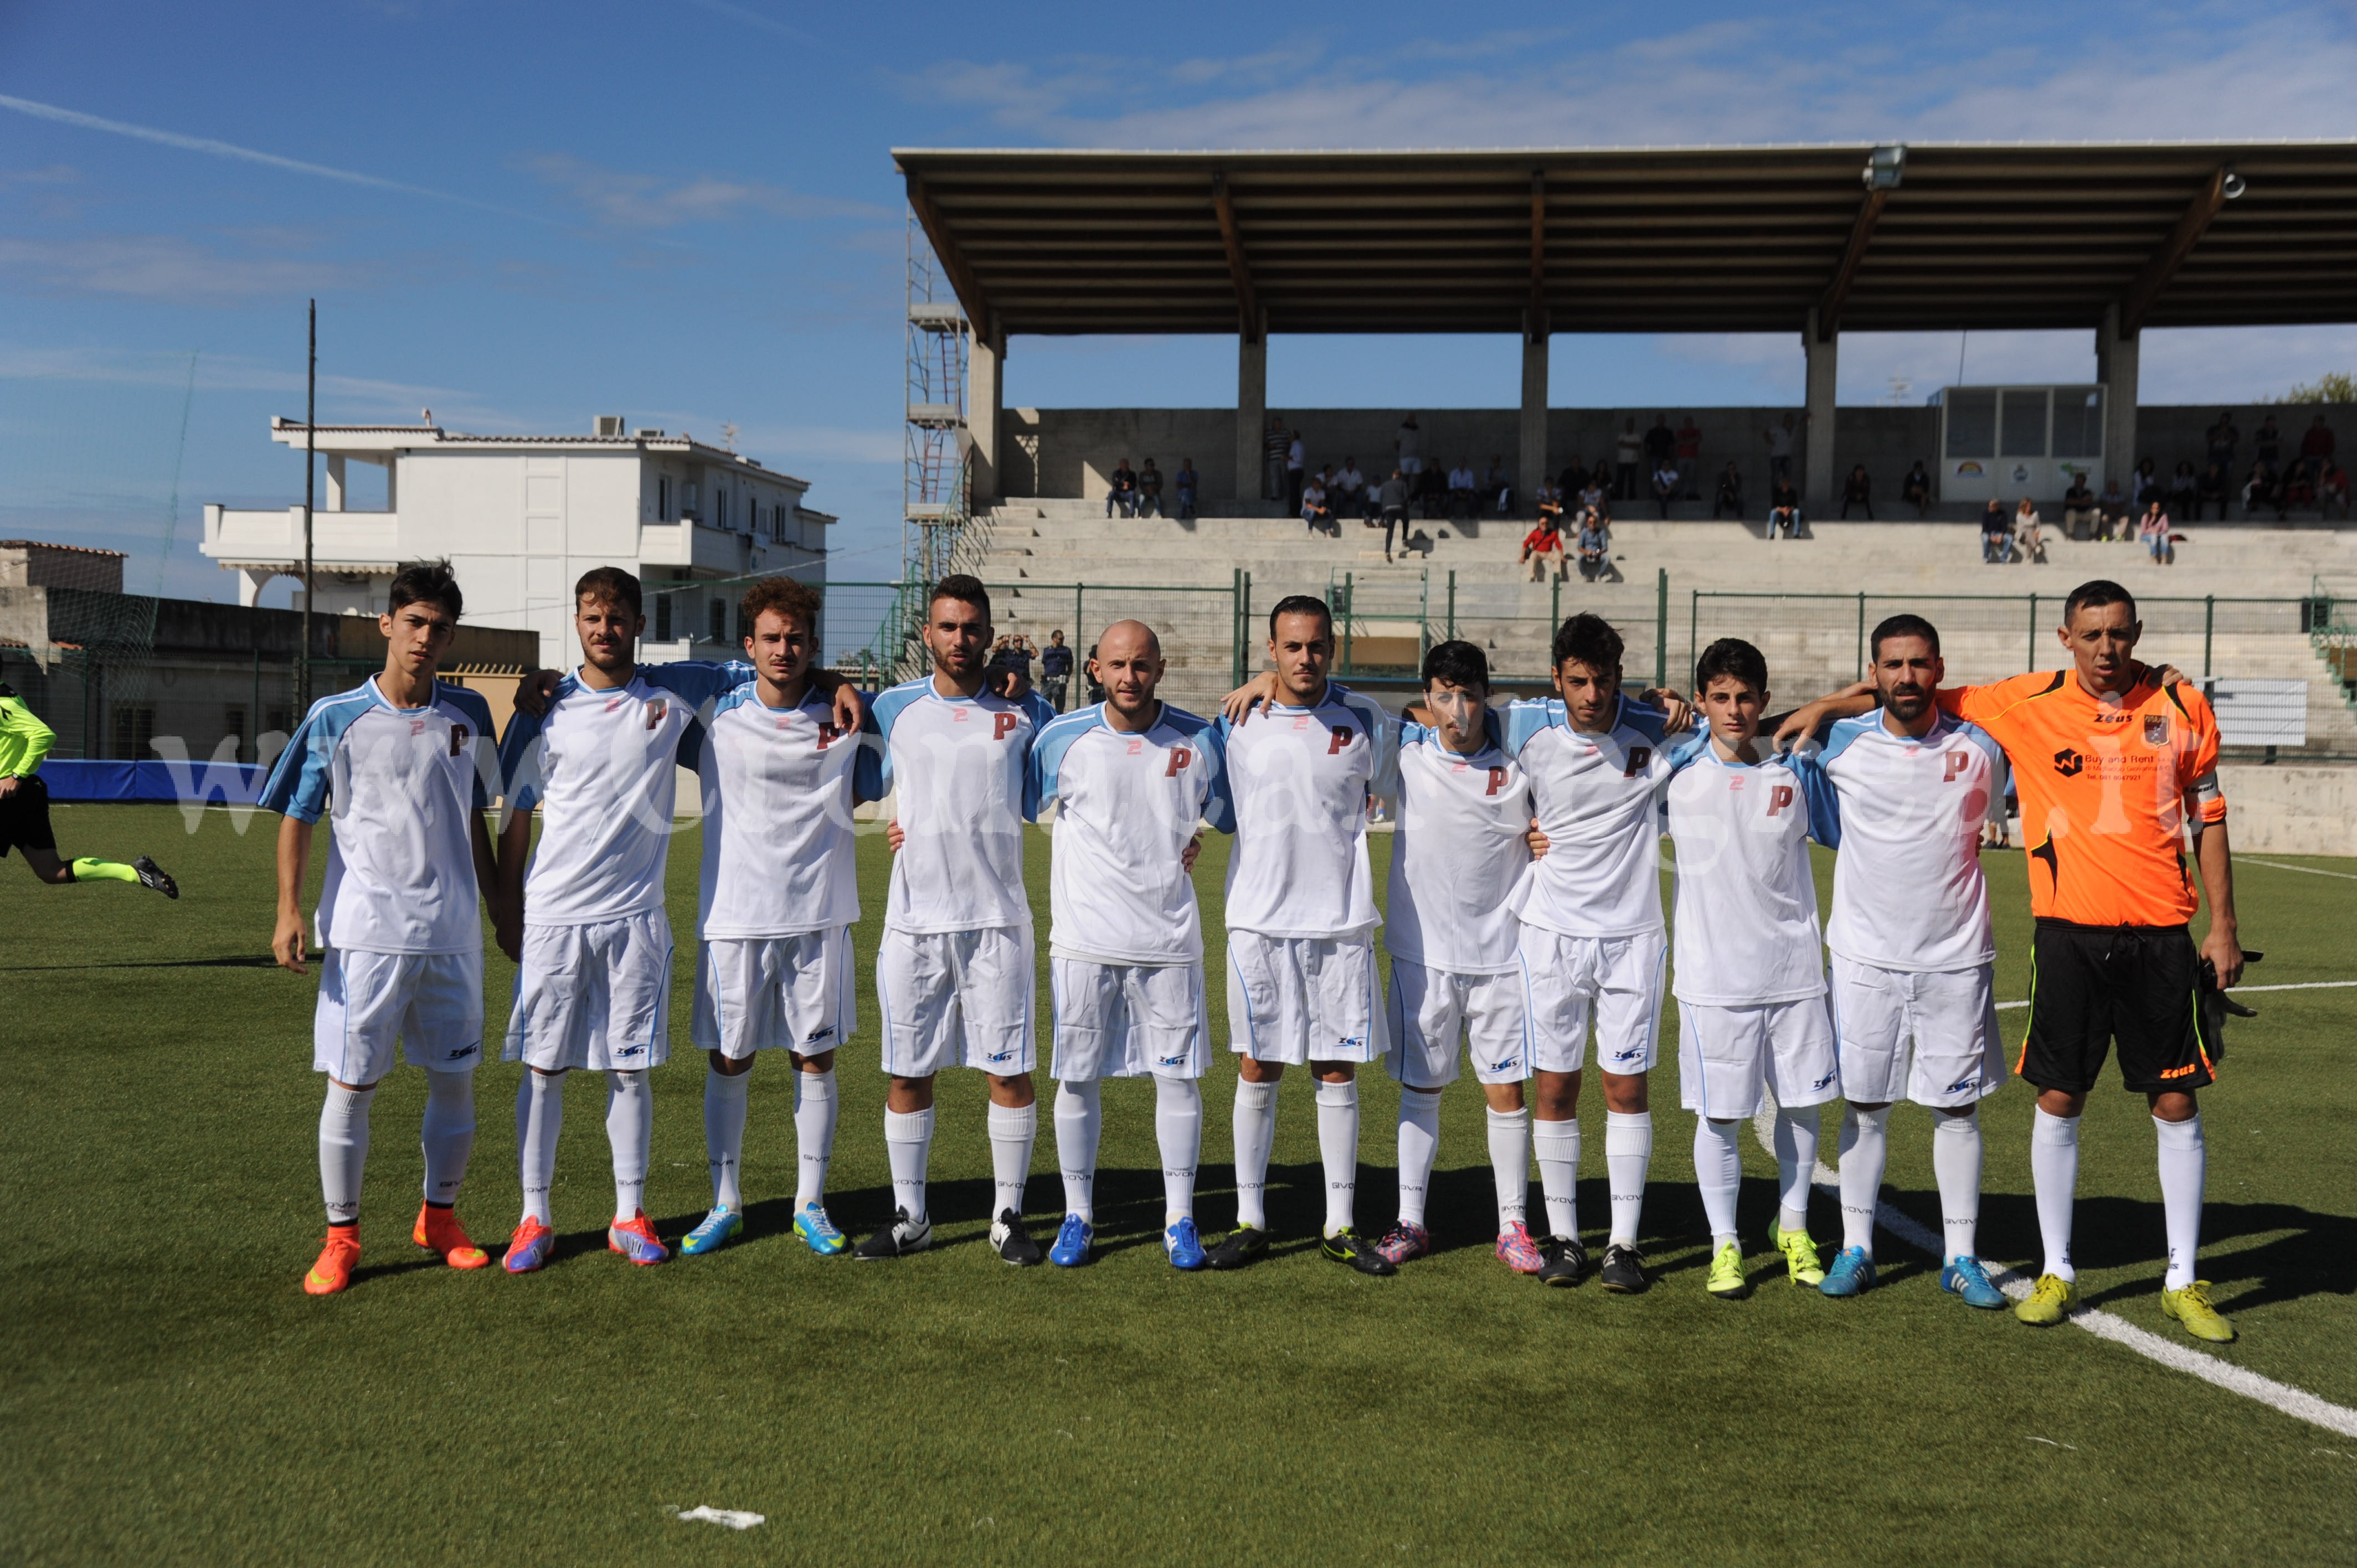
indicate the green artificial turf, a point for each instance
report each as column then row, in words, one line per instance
column 171, row 1395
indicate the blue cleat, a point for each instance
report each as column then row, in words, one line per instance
column 1184, row 1245
column 719, row 1228
column 529, row 1248
column 815, row 1229
column 1966, row 1278
column 1073, row 1242
column 1851, row 1273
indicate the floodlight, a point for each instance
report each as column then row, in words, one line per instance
column 2233, row 185
column 1886, row 166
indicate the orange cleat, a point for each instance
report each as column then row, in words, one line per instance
column 440, row 1230
column 333, row 1272
column 636, row 1239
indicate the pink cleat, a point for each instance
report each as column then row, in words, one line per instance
column 1518, row 1251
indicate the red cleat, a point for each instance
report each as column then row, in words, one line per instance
column 333, row 1272
column 438, row 1230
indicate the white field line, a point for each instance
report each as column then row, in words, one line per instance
column 2239, row 990
column 2279, row 866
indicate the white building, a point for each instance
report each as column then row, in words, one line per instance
column 520, row 517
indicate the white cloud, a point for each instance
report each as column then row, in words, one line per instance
column 646, row 201
column 168, row 267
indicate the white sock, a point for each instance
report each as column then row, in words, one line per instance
column 448, row 1133
column 816, row 1105
column 1957, row 1162
column 1179, row 1129
column 1796, row 1166
column 2184, row 1159
column 539, row 1117
column 1510, row 1164
column 1628, row 1155
column 908, row 1140
column 631, row 1132
column 1337, row 1147
column 1012, row 1130
column 1864, row 1150
column 1718, row 1173
column 2054, row 1173
column 723, row 1132
column 343, row 1150
column 1419, row 1148
column 1557, row 1143
column 1079, row 1122
column 1255, row 1130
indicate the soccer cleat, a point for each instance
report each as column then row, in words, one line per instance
column 1011, row 1241
column 818, row 1232
column 1346, row 1246
column 529, row 1248
column 1244, row 1244
column 1518, row 1251
column 898, row 1240
column 2050, row 1301
column 1851, row 1273
column 1966, row 1278
column 1403, row 1242
column 1801, row 1264
column 1565, row 1262
column 153, row 876
column 333, row 1272
column 1623, row 1272
column 1727, row 1280
column 1075, row 1238
column 636, row 1239
column 438, row 1230
column 2190, row 1306
column 1184, row 1244
column 720, row 1226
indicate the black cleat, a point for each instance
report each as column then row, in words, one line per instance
column 1012, row 1242
column 1350, row 1246
column 1244, row 1244
column 1623, row 1271
column 1566, row 1260
column 153, row 876
column 898, row 1240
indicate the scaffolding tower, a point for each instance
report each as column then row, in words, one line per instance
column 936, row 446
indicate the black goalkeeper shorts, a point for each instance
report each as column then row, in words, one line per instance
column 2091, row 984
column 25, row 818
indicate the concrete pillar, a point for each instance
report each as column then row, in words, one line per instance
column 1252, row 413
column 1817, row 422
column 1532, row 470
column 985, row 408
column 335, row 482
column 392, row 473
column 2115, row 367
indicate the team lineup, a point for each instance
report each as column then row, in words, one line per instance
column 1523, row 915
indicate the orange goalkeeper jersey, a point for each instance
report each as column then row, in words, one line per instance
column 2112, row 790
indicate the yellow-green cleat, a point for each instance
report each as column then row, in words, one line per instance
column 2190, row 1306
column 2051, row 1300
column 1800, row 1255
column 1727, row 1281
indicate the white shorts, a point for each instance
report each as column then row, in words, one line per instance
column 1727, row 1054
column 595, row 996
column 754, row 994
column 957, row 999
column 1615, row 981
column 1931, row 1039
column 1431, row 1007
column 432, row 1002
column 1301, row 999
column 1126, row 1020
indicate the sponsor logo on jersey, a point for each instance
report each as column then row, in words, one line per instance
column 1779, row 797
column 1352, row 1043
column 825, row 1032
column 1002, row 726
column 999, row 1056
column 460, row 735
column 2069, row 763
column 1179, row 757
column 1637, row 756
column 1497, row 780
column 655, row 712
column 2155, row 729
column 1179, row 1060
column 463, row 1052
column 1827, row 1080
column 2184, row 1072
column 1341, row 736
column 1957, row 763
column 1963, row 1085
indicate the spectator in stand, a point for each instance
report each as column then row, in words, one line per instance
column 1393, row 496
column 2332, row 489
column 1997, row 534
column 1498, row 487
column 2222, row 438
column 1315, row 512
column 1573, row 479
column 1690, row 454
column 1056, row 668
column 2154, row 531
column 1594, row 496
column 2079, row 509
column 1729, row 499
column 1550, row 501
column 1122, row 491
column 2184, row 487
column 1595, row 547
column 1916, row 488
column 1296, row 468
column 1543, row 545
column 1783, row 510
column 1779, row 438
column 1274, row 446
column 2315, row 449
column 2267, row 445
column 2114, row 507
column 1092, row 688
column 1149, row 491
column 1184, row 484
column 1349, row 489
column 1660, row 446
column 1857, row 490
column 1464, row 490
column 1409, row 445
column 2028, row 534
column 2146, row 483
column 2263, row 488
column 2210, row 488
column 1629, row 451
column 1665, row 484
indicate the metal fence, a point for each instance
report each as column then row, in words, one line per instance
column 1204, row 629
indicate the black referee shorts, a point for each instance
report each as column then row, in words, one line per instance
column 2091, row 985
column 25, row 818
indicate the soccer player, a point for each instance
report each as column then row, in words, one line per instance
column 400, row 760
column 1136, row 779
column 1751, row 980
column 1302, row 987
column 778, row 895
column 1914, row 952
column 2116, row 767
column 955, row 975
column 24, row 741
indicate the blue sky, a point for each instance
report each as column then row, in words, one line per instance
column 684, row 211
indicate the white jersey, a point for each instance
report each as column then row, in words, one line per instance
column 402, row 785
column 1908, row 888
column 1747, row 901
column 960, row 770
column 1301, row 778
column 1596, row 797
column 1460, row 849
column 779, row 785
column 1117, row 890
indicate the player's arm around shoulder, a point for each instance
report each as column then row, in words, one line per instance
column 1810, row 717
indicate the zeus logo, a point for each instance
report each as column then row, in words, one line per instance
column 1002, row 726
column 1341, row 736
column 1824, row 1080
column 1497, row 780
column 460, row 735
column 1957, row 763
column 1779, row 797
column 1637, row 756
column 1964, row 1085
column 1179, row 757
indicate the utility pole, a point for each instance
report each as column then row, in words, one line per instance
column 310, row 425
